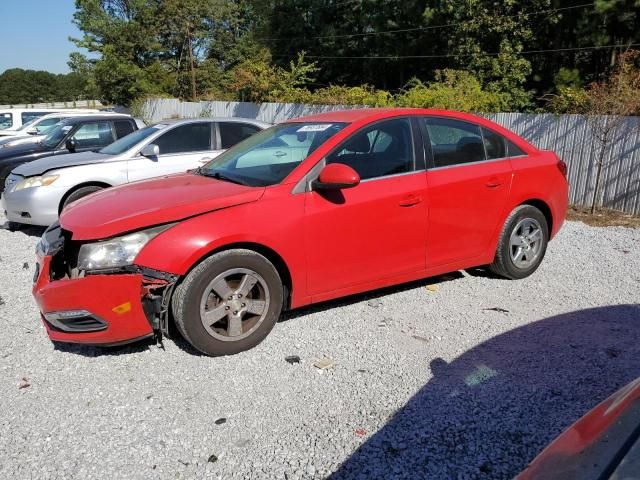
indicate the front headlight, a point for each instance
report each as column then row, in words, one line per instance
column 117, row 252
column 35, row 182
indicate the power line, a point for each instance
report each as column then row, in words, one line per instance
column 484, row 54
column 425, row 28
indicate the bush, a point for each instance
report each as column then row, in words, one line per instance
column 451, row 90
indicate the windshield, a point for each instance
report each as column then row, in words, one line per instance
column 267, row 157
column 128, row 141
column 28, row 124
column 56, row 135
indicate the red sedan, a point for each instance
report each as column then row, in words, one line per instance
column 306, row 211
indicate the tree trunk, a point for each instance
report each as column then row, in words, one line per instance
column 596, row 188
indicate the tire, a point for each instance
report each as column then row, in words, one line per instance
column 80, row 193
column 203, row 292
column 514, row 240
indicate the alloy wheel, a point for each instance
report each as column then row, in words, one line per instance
column 234, row 304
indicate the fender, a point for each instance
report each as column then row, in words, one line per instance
column 273, row 222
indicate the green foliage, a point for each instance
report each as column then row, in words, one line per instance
column 452, row 90
column 18, row 86
column 569, row 99
column 343, row 95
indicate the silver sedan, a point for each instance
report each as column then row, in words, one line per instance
column 36, row 192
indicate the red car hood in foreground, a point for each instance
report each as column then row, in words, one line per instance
column 152, row 202
column 604, row 444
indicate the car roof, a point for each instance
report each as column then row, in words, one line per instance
column 363, row 114
column 96, row 116
column 215, row 119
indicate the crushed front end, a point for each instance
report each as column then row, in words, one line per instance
column 108, row 307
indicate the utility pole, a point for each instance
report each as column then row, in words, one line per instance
column 193, row 71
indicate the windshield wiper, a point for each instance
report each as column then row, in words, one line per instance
column 218, row 176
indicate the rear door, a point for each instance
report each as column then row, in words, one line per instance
column 183, row 147
column 469, row 180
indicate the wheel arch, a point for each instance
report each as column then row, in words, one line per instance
column 544, row 208
column 79, row 186
column 274, row 257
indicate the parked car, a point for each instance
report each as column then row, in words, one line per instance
column 12, row 119
column 36, row 129
column 604, row 444
column 162, row 149
column 75, row 134
column 379, row 197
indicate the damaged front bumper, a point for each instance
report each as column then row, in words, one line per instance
column 99, row 309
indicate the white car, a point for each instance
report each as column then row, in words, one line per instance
column 36, row 192
column 11, row 119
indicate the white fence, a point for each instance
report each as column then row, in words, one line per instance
column 69, row 104
column 568, row 135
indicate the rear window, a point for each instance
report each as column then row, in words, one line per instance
column 123, row 128
column 232, row 133
column 513, row 150
column 28, row 116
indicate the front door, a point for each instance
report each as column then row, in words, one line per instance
column 182, row 148
column 377, row 229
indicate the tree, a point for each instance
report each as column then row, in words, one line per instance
column 609, row 103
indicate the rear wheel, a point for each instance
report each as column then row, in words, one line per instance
column 522, row 243
column 228, row 303
column 79, row 193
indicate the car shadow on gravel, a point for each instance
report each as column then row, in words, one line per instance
column 30, row 230
column 99, row 351
column 489, row 412
column 375, row 295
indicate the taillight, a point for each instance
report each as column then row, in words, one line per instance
column 563, row 168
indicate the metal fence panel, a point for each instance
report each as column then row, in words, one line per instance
column 567, row 135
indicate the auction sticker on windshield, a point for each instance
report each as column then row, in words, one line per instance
column 314, row 128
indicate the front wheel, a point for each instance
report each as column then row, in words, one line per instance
column 229, row 302
column 522, row 243
column 80, row 193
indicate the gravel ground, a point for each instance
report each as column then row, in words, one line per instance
column 468, row 381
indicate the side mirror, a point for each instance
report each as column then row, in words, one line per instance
column 336, row 176
column 32, row 131
column 71, row 145
column 150, row 150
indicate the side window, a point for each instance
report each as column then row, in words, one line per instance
column 28, row 116
column 513, row 150
column 232, row 133
column 123, row 128
column 454, row 142
column 92, row 135
column 382, row 149
column 494, row 144
column 193, row 137
column 6, row 120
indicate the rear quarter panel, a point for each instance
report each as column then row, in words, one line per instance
column 537, row 177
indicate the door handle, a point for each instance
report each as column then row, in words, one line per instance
column 410, row 200
column 493, row 182
column 280, row 154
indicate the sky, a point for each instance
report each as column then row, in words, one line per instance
column 36, row 33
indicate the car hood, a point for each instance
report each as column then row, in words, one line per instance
column 137, row 205
column 22, row 149
column 43, row 165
